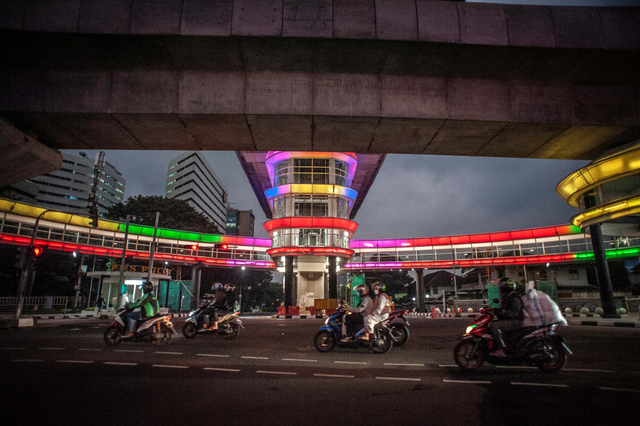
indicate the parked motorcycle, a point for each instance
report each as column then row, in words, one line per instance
column 539, row 346
column 329, row 335
column 157, row 329
column 398, row 325
column 228, row 326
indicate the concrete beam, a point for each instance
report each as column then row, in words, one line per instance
column 19, row 148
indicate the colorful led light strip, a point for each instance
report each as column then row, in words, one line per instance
column 274, row 157
column 310, row 222
column 316, row 251
column 604, row 212
column 309, row 188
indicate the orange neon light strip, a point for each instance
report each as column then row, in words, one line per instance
column 310, row 222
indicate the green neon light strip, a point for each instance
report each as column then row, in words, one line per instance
column 170, row 233
column 611, row 254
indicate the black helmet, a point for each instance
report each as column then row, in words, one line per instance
column 147, row 287
column 506, row 285
column 362, row 289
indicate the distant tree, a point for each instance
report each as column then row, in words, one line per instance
column 174, row 214
column 396, row 282
column 10, row 194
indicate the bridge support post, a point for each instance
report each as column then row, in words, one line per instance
column 419, row 290
column 288, row 282
column 333, row 278
column 196, row 275
column 602, row 273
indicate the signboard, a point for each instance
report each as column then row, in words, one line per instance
column 143, row 269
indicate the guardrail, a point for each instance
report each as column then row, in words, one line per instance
column 34, row 305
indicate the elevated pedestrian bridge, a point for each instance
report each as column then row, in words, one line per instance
column 67, row 232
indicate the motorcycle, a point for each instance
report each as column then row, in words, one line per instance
column 228, row 326
column 399, row 331
column 329, row 335
column 539, row 346
column 157, row 329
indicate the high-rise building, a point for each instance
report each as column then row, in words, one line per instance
column 240, row 222
column 190, row 177
column 68, row 189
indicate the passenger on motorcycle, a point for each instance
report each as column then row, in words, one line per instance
column 510, row 316
column 355, row 321
column 381, row 307
column 148, row 308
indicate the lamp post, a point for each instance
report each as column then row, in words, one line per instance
column 25, row 268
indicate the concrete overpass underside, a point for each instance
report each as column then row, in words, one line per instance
column 441, row 78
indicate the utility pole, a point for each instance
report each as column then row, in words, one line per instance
column 25, row 267
column 75, row 303
column 153, row 247
column 92, row 205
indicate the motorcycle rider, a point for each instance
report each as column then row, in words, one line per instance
column 225, row 300
column 510, row 316
column 355, row 321
column 215, row 289
column 148, row 308
column 381, row 307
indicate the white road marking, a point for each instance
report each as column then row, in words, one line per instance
column 254, row 357
column 301, row 360
column 12, row 349
column 170, row 366
column 539, row 384
column 620, row 389
column 289, row 373
column 232, row 370
column 589, row 370
column 51, row 349
column 89, row 349
column 214, row 355
column 345, row 376
column 409, row 365
column 407, row 379
column 97, row 326
column 27, row 360
column 474, row 382
column 75, row 329
column 169, row 353
column 127, row 350
column 120, row 363
column 520, row 367
column 74, row 361
column 350, row 362
column 447, row 366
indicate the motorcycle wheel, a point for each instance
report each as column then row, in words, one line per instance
column 462, row 356
column 400, row 333
column 234, row 329
column 112, row 336
column 557, row 358
column 189, row 330
column 324, row 341
column 163, row 337
column 382, row 344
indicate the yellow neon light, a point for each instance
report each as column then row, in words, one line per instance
column 603, row 213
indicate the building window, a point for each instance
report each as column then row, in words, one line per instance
column 573, row 274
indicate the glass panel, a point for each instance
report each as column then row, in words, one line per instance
column 620, row 188
column 10, row 227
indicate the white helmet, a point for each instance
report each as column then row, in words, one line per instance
column 362, row 289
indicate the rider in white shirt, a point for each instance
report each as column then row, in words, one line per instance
column 381, row 308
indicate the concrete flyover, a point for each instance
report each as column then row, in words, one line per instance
column 395, row 76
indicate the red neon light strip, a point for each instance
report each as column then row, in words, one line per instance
column 319, row 251
column 466, row 263
column 310, row 222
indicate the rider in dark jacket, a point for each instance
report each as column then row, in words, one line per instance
column 224, row 300
column 509, row 317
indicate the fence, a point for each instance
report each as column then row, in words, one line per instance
column 34, row 305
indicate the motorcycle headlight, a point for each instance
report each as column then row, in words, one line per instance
column 470, row 328
column 192, row 312
column 326, row 322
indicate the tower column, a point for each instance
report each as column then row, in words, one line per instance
column 333, row 278
column 420, row 290
column 288, row 281
column 602, row 273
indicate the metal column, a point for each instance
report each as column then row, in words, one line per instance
column 420, row 289
column 602, row 273
column 333, row 278
column 288, row 282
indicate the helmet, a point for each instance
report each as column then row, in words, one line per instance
column 229, row 287
column 216, row 287
column 377, row 286
column 147, row 287
column 506, row 285
column 362, row 289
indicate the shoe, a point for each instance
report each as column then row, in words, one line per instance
column 214, row 327
column 364, row 337
column 128, row 334
column 345, row 339
column 499, row 353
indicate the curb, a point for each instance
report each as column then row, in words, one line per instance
column 627, row 324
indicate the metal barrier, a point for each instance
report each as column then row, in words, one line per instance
column 34, row 305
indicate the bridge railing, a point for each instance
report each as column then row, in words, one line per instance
column 34, row 305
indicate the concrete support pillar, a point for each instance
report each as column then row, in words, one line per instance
column 602, row 273
column 420, row 290
column 196, row 275
column 333, row 278
column 288, row 281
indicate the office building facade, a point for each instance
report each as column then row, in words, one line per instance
column 191, row 178
column 240, row 222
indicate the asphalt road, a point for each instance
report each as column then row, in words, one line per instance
column 61, row 372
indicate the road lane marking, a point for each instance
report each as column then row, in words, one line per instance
column 301, row 360
column 589, row 370
column 408, row 365
column 620, row 389
column 27, row 360
column 474, row 382
column 350, row 362
column 75, row 329
column 447, row 365
column 127, row 350
column 74, row 361
column 539, row 384
column 254, row 357
column 89, row 349
column 345, row 376
column 232, row 370
column 288, row 373
column 169, row 366
column 120, row 363
column 51, row 349
column 169, row 353
column 214, row 355
column 406, row 379
column 12, row 349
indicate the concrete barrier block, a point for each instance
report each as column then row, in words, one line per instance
column 530, row 25
column 438, row 21
column 102, row 17
column 354, row 19
column 201, row 92
column 540, row 101
column 417, row 97
column 47, row 15
column 206, row 17
column 257, row 18
column 612, row 105
column 75, row 91
column 279, row 93
column 347, row 94
column 482, row 23
column 578, row 27
column 12, row 14
column 477, row 99
column 307, row 18
column 156, row 17
column 144, row 91
column 621, row 27
column 396, row 20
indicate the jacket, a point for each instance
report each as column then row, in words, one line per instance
column 539, row 310
column 512, row 308
column 148, row 306
column 365, row 307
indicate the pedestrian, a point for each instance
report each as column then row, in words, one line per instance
column 99, row 305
